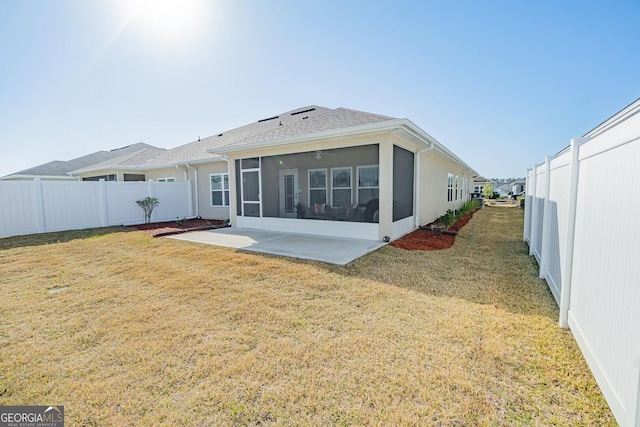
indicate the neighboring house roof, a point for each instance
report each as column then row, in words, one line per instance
column 129, row 160
column 59, row 168
column 481, row 179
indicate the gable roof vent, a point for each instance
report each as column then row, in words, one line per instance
column 303, row 111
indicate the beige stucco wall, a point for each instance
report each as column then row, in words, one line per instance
column 172, row 172
column 205, row 209
column 432, row 186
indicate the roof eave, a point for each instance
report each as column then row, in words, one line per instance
column 369, row 128
column 47, row 177
column 419, row 137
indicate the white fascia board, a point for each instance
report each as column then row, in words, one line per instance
column 104, row 168
column 184, row 163
column 45, row 177
column 372, row 128
column 146, row 168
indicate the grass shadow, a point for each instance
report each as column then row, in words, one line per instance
column 59, row 237
column 488, row 264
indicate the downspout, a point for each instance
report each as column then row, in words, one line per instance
column 195, row 182
column 417, row 178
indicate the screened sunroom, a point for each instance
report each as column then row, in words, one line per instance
column 331, row 192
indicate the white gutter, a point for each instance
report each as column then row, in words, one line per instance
column 417, row 178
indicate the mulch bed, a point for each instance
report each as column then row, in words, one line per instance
column 159, row 229
column 427, row 240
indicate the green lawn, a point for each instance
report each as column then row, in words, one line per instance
column 125, row 329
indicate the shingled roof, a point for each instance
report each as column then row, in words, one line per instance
column 298, row 122
column 60, row 168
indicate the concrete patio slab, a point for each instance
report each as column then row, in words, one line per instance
column 331, row 250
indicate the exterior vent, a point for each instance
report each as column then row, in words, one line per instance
column 303, row 111
column 267, row 119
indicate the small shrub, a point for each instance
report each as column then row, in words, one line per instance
column 148, row 204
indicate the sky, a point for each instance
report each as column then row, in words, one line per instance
column 500, row 83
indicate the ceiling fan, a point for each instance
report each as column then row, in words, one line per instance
column 319, row 153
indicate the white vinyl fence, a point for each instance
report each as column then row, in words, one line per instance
column 582, row 224
column 29, row 207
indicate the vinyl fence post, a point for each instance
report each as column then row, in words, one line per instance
column 535, row 221
column 526, row 232
column 39, row 205
column 151, row 192
column 565, row 290
column 546, row 228
column 104, row 209
column 189, row 198
column 637, row 415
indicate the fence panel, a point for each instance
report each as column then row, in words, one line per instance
column 172, row 201
column 70, row 205
column 529, row 188
column 17, row 208
column 604, row 291
column 589, row 251
column 555, row 231
column 537, row 211
column 28, row 207
column 121, row 202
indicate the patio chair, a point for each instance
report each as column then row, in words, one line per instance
column 318, row 211
column 370, row 211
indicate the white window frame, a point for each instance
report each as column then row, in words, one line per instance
column 223, row 190
column 168, row 179
column 350, row 188
column 449, row 187
column 457, row 180
column 358, row 169
column 325, row 188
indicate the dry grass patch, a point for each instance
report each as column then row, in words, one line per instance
column 124, row 329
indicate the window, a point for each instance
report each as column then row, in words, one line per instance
column 172, row 179
column 220, row 189
column 341, row 187
column 367, row 184
column 134, row 177
column 450, row 187
column 317, row 186
column 457, row 180
column 111, row 177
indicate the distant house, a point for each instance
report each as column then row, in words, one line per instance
column 518, row 187
column 479, row 183
column 314, row 170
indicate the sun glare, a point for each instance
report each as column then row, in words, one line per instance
column 172, row 21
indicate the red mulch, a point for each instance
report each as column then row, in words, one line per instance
column 157, row 229
column 427, row 240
